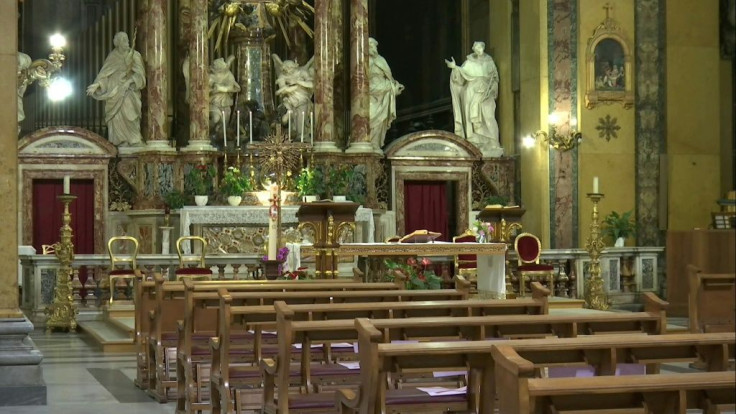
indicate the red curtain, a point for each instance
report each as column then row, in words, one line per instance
column 47, row 211
column 425, row 207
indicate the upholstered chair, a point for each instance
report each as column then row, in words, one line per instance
column 528, row 249
column 123, row 251
column 466, row 265
column 192, row 266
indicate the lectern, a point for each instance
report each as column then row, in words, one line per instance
column 326, row 220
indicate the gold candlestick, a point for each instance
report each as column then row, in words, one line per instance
column 595, row 295
column 62, row 311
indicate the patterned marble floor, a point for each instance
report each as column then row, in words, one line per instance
column 82, row 380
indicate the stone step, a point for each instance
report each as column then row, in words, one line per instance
column 110, row 337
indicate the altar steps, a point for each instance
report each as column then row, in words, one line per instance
column 115, row 332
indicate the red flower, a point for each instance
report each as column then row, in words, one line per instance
column 411, row 261
column 426, row 262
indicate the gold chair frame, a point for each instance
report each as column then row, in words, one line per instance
column 469, row 273
column 532, row 275
column 198, row 260
column 117, row 260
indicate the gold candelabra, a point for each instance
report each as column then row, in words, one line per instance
column 62, row 311
column 595, row 295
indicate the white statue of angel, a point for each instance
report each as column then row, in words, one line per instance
column 295, row 87
column 222, row 88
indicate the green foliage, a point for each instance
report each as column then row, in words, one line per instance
column 615, row 225
column 495, row 199
column 234, row 183
column 199, row 180
column 309, row 182
column 338, row 179
column 175, row 199
column 418, row 274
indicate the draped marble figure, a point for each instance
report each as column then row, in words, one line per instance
column 222, row 88
column 295, row 87
column 384, row 89
column 474, row 89
column 24, row 62
column 119, row 84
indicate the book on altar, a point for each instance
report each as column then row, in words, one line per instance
column 420, row 236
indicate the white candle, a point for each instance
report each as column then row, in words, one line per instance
column 273, row 225
column 288, row 131
column 66, row 184
column 237, row 135
column 224, row 131
column 311, row 124
column 301, row 125
column 250, row 125
column 595, row 184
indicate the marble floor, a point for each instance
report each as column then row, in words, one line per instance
column 82, row 380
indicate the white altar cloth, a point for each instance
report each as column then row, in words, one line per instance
column 250, row 215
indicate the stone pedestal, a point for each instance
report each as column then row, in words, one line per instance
column 21, row 378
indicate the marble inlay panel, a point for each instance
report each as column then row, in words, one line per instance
column 650, row 103
column 48, row 284
column 647, row 274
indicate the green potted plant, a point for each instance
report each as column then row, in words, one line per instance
column 198, row 181
column 175, row 199
column 495, row 200
column 338, row 181
column 619, row 227
column 309, row 183
column 233, row 185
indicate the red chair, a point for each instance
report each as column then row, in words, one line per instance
column 116, row 246
column 466, row 265
column 528, row 249
column 199, row 271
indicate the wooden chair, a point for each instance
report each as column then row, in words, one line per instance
column 466, row 265
column 199, row 271
column 528, row 249
column 393, row 239
column 115, row 246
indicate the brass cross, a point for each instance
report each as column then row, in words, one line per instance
column 609, row 8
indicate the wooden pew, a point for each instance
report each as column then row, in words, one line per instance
column 145, row 293
column 476, row 328
column 604, row 351
column 520, row 392
column 206, row 301
column 711, row 301
column 169, row 304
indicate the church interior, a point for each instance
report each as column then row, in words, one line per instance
column 201, row 190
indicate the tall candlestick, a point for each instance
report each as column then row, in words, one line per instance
column 273, row 227
column 301, row 125
column 311, row 125
column 288, row 131
column 250, row 125
column 595, row 185
column 66, row 184
column 237, row 135
column 224, row 131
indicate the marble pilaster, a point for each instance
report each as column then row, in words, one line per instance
column 157, row 70
column 324, row 93
column 360, row 140
column 21, row 377
column 199, row 90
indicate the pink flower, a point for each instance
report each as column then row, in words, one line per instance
column 411, row 261
column 426, row 262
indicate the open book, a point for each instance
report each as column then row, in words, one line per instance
column 420, row 236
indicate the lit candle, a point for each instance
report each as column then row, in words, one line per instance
column 288, row 131
column 301, row 125
column 224, row 131
column 311, row 124
column 66, row 184
column 250, row 125
column 595, row 185
column 273, row 224
column 237, row 134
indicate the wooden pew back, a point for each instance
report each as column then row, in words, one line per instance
column 711, row 301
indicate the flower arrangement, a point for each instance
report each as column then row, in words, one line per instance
column 417, row 273
column 617, row 226
column 298, row 274
column 339, row 179
column 309, row 181
column 234, row 183
column 281, row 255
column 483, row 231
column 199, row 179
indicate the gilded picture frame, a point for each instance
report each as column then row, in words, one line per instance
column 609, row 67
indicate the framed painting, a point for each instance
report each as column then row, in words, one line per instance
column 609, row 70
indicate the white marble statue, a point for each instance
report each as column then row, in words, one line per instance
column 384, row 89
column 295, row 87
column 474, row 89
column 222, row 88
column 119, row 84
column 185, row 73
column 24, row 62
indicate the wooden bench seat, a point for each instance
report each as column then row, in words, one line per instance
column 202, row 306
column 434, row 328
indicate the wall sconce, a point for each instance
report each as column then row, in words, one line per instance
column 43, row 71
column 560, row 142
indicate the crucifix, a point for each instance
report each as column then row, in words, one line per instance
column 608, row 8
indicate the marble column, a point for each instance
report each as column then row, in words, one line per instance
column 21, row 378
column 156, row 128
column 324, row 93
column 199, row 90
column 360, row 139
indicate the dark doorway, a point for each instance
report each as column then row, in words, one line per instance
column 430, row 205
